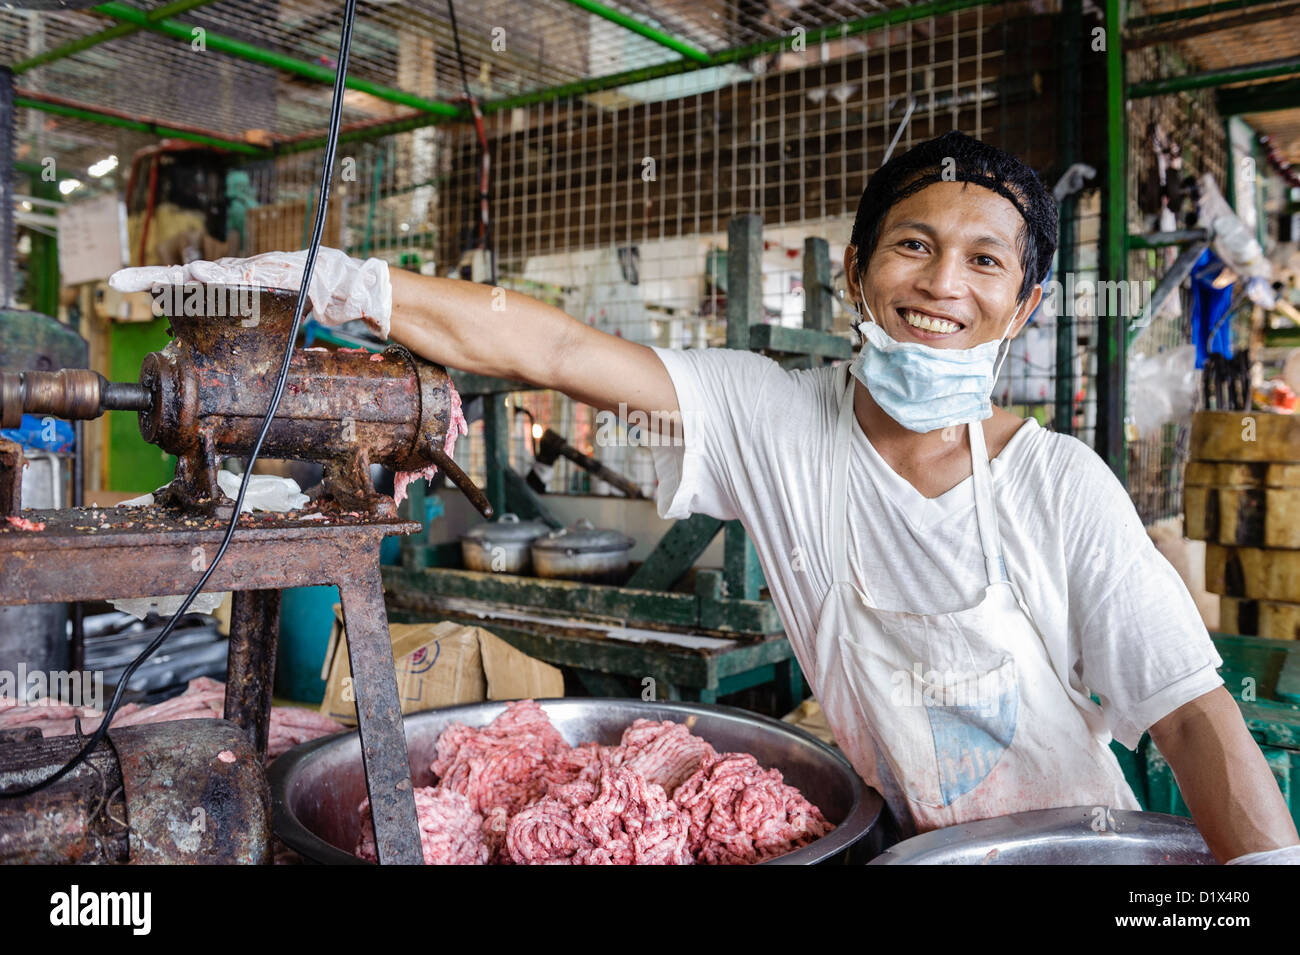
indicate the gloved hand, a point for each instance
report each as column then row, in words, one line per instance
column 1287, row 855
column 342, row 288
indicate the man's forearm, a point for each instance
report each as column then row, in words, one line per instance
column 478, row 328
column 1224, row 778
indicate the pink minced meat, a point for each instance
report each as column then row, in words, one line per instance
column 455, row 428
column 741, row 813
column 662, row 796
column 203, row 699
column 610, row 815
column 450, row 831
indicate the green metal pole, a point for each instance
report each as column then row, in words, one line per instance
column 636, row 26
column 1232, row 74
column 1072, row 40
column 256, row 54
column 112, row 33
column 1109, row 438
column 157, row 129
column 43, row 262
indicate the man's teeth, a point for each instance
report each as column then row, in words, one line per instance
column 929, row 323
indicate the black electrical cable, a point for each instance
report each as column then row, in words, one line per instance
column 336, row 113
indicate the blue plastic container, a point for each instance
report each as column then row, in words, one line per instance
column 306, row 618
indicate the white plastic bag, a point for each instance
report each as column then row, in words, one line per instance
column 1162, row 388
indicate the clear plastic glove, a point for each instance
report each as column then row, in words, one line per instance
column 343, row 289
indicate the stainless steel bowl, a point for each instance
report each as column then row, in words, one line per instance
column 1085, row 835
column 317, row 787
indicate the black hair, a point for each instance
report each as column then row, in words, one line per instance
column 956, row 157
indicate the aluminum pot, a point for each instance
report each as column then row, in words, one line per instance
column 317, row 787
column 582, row 552
column 1085, row 835
column 502, row 546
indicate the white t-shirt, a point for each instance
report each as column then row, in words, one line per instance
column 1117, row 619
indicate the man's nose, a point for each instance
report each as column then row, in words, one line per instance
column 941, row 276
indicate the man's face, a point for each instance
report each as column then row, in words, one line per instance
column 946, row 271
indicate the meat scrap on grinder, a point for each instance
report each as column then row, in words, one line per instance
column 514, row 792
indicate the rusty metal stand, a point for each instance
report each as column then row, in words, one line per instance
column 89, row 554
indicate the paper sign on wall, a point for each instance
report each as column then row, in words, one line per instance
column 91, row 239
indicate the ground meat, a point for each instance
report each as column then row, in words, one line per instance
column 451, row 833
column 23, row 524
column 662, row 796
column 619, row 818
column 455, row 427
column 502, row 765
column 665, row 753
column 741, row 813
column 203, row 699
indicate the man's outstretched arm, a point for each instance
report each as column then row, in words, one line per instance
column 494, row 331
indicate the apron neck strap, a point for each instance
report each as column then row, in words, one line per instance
column 986, row 513
column 985, row 508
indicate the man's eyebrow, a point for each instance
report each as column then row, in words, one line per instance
column 917, row 225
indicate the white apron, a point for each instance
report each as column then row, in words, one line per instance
column 952, row 717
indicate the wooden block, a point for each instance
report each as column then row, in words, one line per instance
column 1274, row 619
column 1248, row 516
column 1282, row 517
column 1253, row 572
column 1241, row 436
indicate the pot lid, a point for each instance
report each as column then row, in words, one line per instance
column 507, row 529
column 583, row 538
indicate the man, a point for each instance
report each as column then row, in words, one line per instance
column 956, row 582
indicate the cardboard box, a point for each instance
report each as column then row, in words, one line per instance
column 440, row 664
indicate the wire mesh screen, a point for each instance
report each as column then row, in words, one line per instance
column 1187, row 127
column 614, row 206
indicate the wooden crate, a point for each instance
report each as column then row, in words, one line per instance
column 1254, row 572
column 1242, row 436
column 279, row 227
column 1247, row 504
column 1272, row 618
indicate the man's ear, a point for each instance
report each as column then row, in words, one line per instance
column 851, row 274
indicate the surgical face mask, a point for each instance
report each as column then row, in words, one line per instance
column 925, row 388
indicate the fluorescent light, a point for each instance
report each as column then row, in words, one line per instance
column 103, row 167
column 537, row 432
column 67, row 186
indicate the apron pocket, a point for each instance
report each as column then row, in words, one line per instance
column 972, row 723
column 940, row 733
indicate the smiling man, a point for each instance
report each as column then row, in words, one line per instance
column 956, row 582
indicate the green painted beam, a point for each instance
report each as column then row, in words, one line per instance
column 1259, row 98
column 798, row 341
column 496, row 448
column 141, row 126
column 642, row 29
column 1212, row 78
column 676, row 553
column 560, row 596
column 256, row 54
column 73, row 47
column 1109, row 437
column 817, row 311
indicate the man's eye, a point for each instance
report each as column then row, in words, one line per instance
column 915, row 244
column 986, row 261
